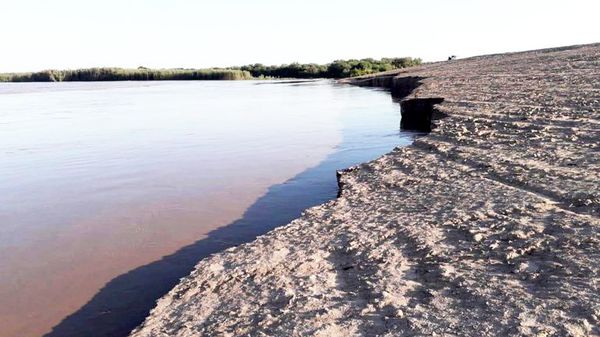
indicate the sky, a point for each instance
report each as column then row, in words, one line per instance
column 69, row 34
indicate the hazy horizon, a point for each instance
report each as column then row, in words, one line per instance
column 69, row 34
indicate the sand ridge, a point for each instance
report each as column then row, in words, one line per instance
column 488, row 226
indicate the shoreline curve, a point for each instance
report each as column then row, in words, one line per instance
column 487, row 226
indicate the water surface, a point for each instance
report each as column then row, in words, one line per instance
column 98, row 179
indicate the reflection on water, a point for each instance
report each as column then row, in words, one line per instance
column 98, row 179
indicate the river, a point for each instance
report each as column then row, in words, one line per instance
column 111, row 191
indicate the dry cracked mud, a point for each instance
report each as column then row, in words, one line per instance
column 487, row 226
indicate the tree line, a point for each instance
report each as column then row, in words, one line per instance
column 335, row 69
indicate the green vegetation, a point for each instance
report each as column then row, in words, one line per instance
column 336, row 69
column 119, row 74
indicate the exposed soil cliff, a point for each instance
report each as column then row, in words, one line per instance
column 488, row 226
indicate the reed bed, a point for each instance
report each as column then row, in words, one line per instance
column 120, row 74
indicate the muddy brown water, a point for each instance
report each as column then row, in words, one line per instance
column 110, row 192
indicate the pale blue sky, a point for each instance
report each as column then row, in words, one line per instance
column 42, row 34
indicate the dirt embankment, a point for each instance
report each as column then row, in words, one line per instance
column 488, row 226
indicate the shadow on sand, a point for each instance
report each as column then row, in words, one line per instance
column 125, row 301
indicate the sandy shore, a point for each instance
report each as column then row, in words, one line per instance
column 488, row 226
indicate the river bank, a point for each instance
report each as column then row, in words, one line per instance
column 487, row 226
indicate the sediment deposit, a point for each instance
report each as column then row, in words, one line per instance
column 487, row 226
